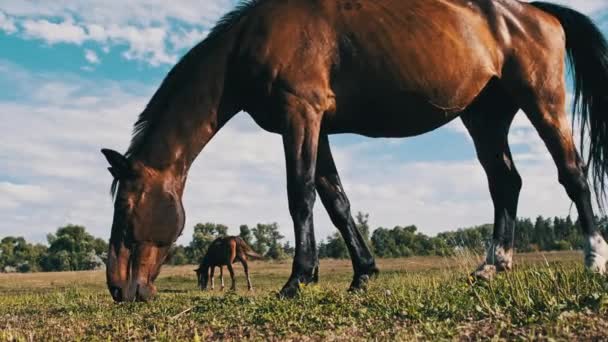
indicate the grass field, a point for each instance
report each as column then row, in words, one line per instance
column 547, row 296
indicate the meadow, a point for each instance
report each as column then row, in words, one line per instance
column 548, row 296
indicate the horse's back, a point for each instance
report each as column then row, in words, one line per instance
column 415, row 64
column 221, row 250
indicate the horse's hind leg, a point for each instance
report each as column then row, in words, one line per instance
column 488, row 121
column 338, row 207
column 543, row 100
column 233, row 287
column 246, row 269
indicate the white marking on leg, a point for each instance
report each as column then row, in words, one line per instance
column 500, row 257
column 596, row 253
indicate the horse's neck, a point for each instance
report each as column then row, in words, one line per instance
column 199, row 104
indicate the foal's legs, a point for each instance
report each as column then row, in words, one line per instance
column 337, row 205
column 488, row 121
column 233, row 287
column 211, row 275
column 246, row 268
column 222, row 278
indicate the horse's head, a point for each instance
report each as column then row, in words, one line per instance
column 202, row 276
column 148, row 218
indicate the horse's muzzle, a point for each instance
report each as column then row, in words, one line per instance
column 133, row 292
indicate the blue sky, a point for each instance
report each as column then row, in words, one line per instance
column 75, row 74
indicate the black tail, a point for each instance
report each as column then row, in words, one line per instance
column 588, row 58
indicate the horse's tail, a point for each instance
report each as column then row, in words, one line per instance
column 588, row 58
column 248, row 250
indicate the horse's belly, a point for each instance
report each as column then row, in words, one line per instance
column 401, row 116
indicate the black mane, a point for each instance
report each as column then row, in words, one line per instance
column 178, row 77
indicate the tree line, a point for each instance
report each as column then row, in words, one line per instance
column 544, row 234
column 71, row 248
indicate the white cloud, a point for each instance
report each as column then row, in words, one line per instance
column 585, row 6
column 13, row 195
column 152, row 31
column 7, row 24
column 63, row 32
column 91, row 56
column 185, row 39
column 121, row 13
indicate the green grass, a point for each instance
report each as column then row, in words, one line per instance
column 417, row 298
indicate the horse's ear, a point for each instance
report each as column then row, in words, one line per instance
column 114, row 174
column 121, row 167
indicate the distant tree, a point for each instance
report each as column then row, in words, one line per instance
column 71, row 248
column 245, row 234
column 562, row 245
column 100, row 246
column 543, row 233
column 268, row 241
column 440, row 247
column 289, row 251
column 383, row 243
column 476, row 239
column 178, row 256
column 17, row 254
column 524, row 233
column 399, row 242
column 362, row 223
column 262, row 233
column 276, row 252
column 335, row 247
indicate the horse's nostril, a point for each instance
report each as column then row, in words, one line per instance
column 116, row 293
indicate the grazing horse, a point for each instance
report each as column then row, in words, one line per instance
column 225, row 251
column 306, row 69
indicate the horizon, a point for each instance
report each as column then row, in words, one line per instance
column 75, row 75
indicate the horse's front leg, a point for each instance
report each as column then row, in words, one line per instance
column 300, row 141
column 222, row 278
column 211, row 275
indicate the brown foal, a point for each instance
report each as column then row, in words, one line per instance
column 225, row 251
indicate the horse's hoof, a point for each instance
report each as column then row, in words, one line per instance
column 372, row 272
column 595, row 263
column 361, row 280
column 485, row 272
column 359, row 283
column 596, row 254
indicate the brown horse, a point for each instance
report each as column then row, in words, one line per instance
column 383, row 68
column 225, row 251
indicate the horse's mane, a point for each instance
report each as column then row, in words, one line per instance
column 177, row 77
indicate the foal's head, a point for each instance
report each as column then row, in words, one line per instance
column 148, row 218
column 202, row 276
